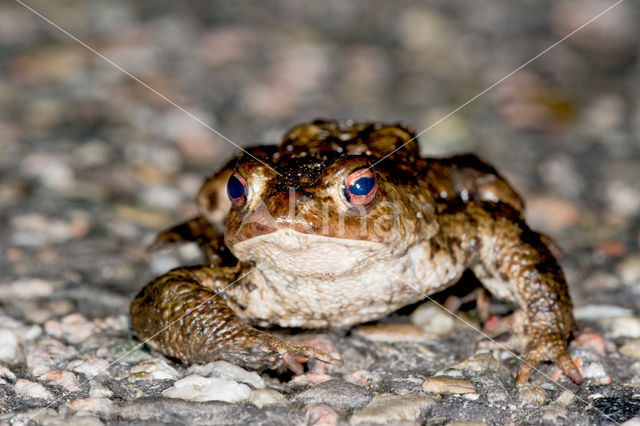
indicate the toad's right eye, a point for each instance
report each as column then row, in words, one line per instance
column 237, row 189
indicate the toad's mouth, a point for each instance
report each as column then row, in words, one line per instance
column 309, row 254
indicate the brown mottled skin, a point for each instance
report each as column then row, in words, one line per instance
column 299, row 254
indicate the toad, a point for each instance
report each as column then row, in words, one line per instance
column 343, row 223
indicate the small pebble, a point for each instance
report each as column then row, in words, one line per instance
column 155, row 369
column 310, row 379
column 531, row 393
column 115, row 323
column 611, row 248
column 104, row 407
column 338, row 394
column 89, row 367
column 624, row 327
column 558, row 408
column 551, row 214
column 74, row 328
column 66, row 379
column 226, row 370
column 27, row 288
column 600, row 281
column 629, row 271
column 433, row 319
column 592, row 341
column 624, row 198
column 33, row 230
column 10, row 346
column 394, row 332
column 29, row 389
column 97, row 390
column 389, row 408
column 598, row 312
column 631, row 349
column 480, row 362
column 363, row 378
column 198, row 388
column 594, row 369
column 262, row 397
column 31, row 333
column 445, row 384
column 321, row 415
column 5, row 373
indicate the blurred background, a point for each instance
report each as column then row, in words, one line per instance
column 93, row 164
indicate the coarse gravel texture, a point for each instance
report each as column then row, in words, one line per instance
column 93, row 164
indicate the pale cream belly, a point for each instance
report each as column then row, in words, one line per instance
column 386, row 285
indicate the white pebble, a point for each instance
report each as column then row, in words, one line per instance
column 155, row 369
column 29, row 389
column 74, row 328
column 10, row 346
column 596, row 312
column 198, row 388
column 226, row 370
column 625, row 327
column 5, row 373
column 90, row 367
column 99, row 391
column 31, row 333
column 433, row 319
column 262, row 397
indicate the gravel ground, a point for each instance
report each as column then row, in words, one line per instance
column 93, row 164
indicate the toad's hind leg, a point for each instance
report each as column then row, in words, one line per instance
column 513, row 262
column 184, row 315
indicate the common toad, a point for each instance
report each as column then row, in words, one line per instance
column 337, row 226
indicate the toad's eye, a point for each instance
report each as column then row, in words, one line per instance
column 237, row 189
column 360, row 187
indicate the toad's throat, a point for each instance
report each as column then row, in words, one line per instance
column 309, row 254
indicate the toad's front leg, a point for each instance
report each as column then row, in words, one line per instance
column 514, row 263
column 184, row 315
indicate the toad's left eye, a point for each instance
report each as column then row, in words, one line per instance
column 360, row 187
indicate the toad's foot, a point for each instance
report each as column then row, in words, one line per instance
column 265, row 350
column 547, row 347
column 184, row 314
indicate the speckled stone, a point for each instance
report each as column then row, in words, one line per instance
column 445, row 384
column 390, row 408
column 340, row 395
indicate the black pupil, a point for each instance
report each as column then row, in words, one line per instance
column 235, row 188
column 362, row 186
